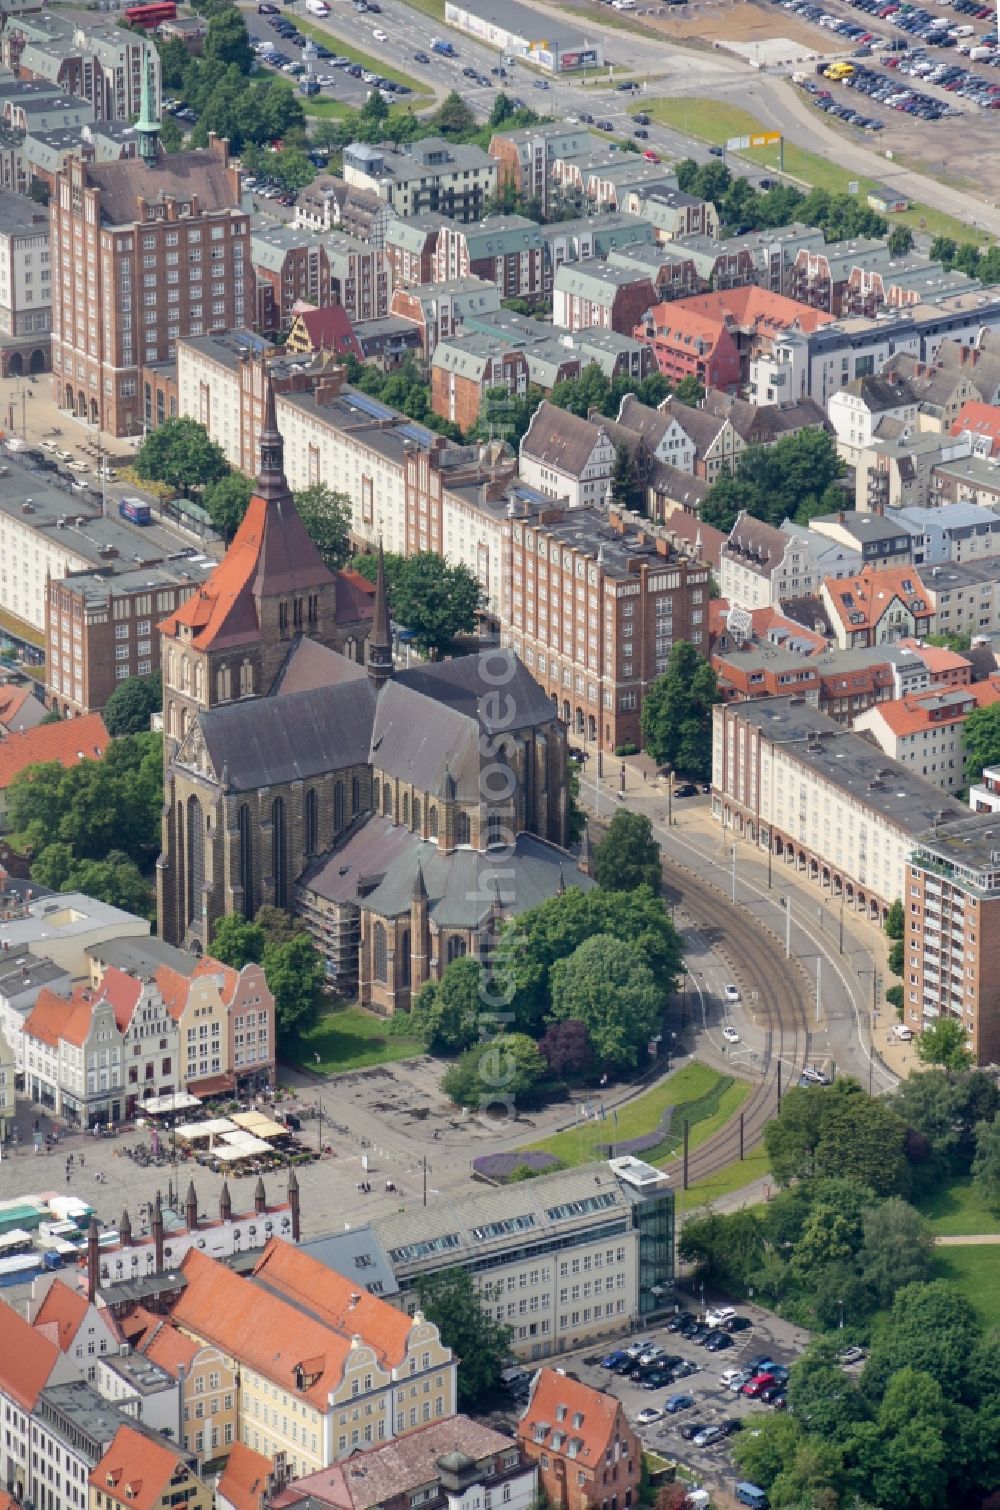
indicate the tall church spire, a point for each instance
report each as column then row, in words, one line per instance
column 380, row 639
column 147, row 127
column 271, row 481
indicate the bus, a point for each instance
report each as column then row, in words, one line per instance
column 149, row 16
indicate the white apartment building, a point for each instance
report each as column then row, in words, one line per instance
column 22, row 977
column 563, row 456
column 857, row 410
column 62, row 927
column 924, row 730
column 73, row 1057
column 8, row 1074
column 824, row 800
column 25, row 274
column 29, row 1362
column 761, row 565
column 966, row 596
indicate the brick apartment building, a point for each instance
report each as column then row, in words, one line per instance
column 586, row 295
column 717, row 336
column 92, row 58
column 589, row 1457
column 288, row 266
column 148, row 251
column 360, row 279
column 525, row 157
column 507, row 250
column 410, row 247
column 820, row 276
column 100, row 629
column 465, row 367
column 595, row 607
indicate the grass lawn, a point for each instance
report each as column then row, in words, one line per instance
column 695, row 1083
column 959, row 1210
column 349, row 1038
column 432, row 8
column 364, row 59
column 976, row 1273
column 728, row 1180
column 715, row 121
column 326, row 109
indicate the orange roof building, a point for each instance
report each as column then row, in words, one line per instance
column 714, row 336
column 981, row 422
column 245, row 1480
column 66, row 1317
column 67, row 742
column 19, row 708
column 298, row 1327
column 140, row 1472
column 582, row 1440
column 924, row 729
column 878, row 606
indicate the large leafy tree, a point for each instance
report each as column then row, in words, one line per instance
column 981, row 740
column 838, row 1130
column 615, row 995
column 434, row 601
column 227, row 41
column 942, row 1111
column 294, row 972
column 180, row 453
column 450, row 1301
column 327, row 517
column 445, row 1015
column 676, row 717
column 792, row 479
column 566, row 1049
column 530, row 944
column 497, row 1071
column 628, row 856
column 897, row 1248
column 986, row 1163
column 115, row 879
column 95, row 806
column 945, row 1042
column 237, row 941
column 226, row 502
column 132, row 704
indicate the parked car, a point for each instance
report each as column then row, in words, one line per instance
column 613, row 1359
column 738, row 1324
column 719, row 1316
column 683, row 1370
column 708, row 1436
column 649, row 1415
column 718, row 1342
column 692, row 1429
column 676, row 1323
column 679, row 1402
column 852, row 1355
column 686, row 789
column 731, row 992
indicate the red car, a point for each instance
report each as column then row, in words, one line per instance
column 755, row 1387
column 651, row 156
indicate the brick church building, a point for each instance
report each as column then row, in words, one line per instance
column 402, row 813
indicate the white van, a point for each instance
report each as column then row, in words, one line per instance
column 902, row 1032
column 317, row 7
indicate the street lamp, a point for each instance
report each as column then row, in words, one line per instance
column 841, row 1315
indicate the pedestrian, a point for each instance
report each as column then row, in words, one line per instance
column 67, row 1174
column 82, row 1161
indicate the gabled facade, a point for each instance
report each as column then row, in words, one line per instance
column 588, row 1455
column 565, row 457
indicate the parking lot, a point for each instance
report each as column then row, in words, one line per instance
column 676, row 1434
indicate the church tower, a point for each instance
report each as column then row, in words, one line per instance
column 227, row 643
column 380, row 639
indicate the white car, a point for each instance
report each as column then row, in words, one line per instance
column 649, row 1416
column 729, row 1374
column 720, row 1317
column 730, row 1035
column 731, row 992
column 380, row 35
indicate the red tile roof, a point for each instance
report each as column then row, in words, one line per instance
column 136, row 1470
column 704, row 316
column 329, row 329
column 65, row 1308
column 348, row 1308
column 68, row 741
column 870, row 594
column 583, row 1415
column 936, row 658
column 261, row 1330
column 981, row 421
column 245, row 1478
column 917, row 711
column 11, row 700
column 122, row 992
column 168, row 1346
column 53, row 1017
column 27, row 1358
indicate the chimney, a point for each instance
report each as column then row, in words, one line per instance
column 157, row 1227
column 93, row 1260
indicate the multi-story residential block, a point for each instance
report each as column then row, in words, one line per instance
column 825, row 800
column 841, row 683
column 565, row 457
column 874, row 287
column 99, row 628
column 465, row 366
column 617, row 355
column 507, row 250
column 208, row 1424
column 949, row 532
column 226, row 1027
column 410, row 247
column 91, row 58
column 897, row 469
column 140, row 1471
column 880, row 539
column 673, row 214
column 589, row 1455
column 924, row 729
column 142, row 1391
column 525, row 157
column 595, row 236
column 148, row 251
column 73, row 1058
column 857, row 410
column 609, row 1224
column 430, row 174
column 984, row 794
column 966, row 597
column 296, row 1326
column 450, row 1466
column 819, row 275
column 360, row 277
column 663, row 432
column 951, row 898
column 878, row 606
column 981, row 422
column 84, row 739
column 29, row 1363
column 289, row 266
column 25, row 286
column 595, row 608
column 602, row 295
column 761, row 565
column 149, row 1037
column 439, row 310
column 331, row 204
column 970, row 480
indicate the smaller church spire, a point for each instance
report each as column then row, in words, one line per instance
column 147, row 127
column 271, row 481
column 380, row 639
column 419, row 893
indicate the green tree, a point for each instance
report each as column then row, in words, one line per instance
column 174, row 59
column 614, row 995
column 132, row 703
column 236, row 941
column 981, row 740
column 900, row 240
column 580, row 395
column 53, row 716
column 622, row 479
column 838, row 1130
column 793, row 479
column 502, row 110
column 226, row 501
column 116, row 880
column 942, row 1111
column 897, row 1250
column 986, row 1162
column 226, row 40
column 761, row 1454
column 95, row 806
column 945, row 1042
column 895, row 920
column 327, row 517
column 294, row 972
column 628, row 856
column 171, row 135
column 944, row 249
column 688, row 391
column 453, row 118
column 501, row 1070
column 180, row 453
column 505, row 416
column 435, row 601
column 530, row 944
column 445, row 1015
column 450, row 1300
column 931, row 1329
column 676, row 718
column 293, row 169
column 820, row 1394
